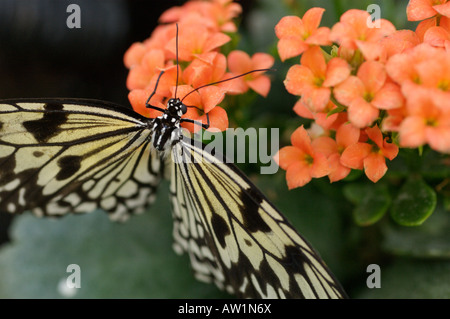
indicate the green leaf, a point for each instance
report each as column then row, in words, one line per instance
column 371, row 201
column 414, row 202
column 431, row 240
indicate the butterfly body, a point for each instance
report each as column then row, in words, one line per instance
column 166, row 127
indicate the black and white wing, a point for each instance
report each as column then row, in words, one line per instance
column 67, row 155
column 235, row 237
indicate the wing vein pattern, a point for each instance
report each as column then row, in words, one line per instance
column 62, row 155
column 235, row 237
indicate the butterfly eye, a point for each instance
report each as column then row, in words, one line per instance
column 183, row 108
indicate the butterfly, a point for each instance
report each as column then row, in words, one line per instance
column 61, row 156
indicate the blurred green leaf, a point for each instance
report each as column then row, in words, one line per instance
column 435, row 165
column 414, row 202
column 431, row 240
column 371, row 201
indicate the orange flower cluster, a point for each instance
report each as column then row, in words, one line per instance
column 379, row 88
column 204, row 27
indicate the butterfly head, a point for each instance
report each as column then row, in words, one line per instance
column 176, row 108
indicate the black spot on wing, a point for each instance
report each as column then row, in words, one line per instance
column 253, row 221
column 37, row 153
column 69, row 165
column 47, row 126
column 220, row 228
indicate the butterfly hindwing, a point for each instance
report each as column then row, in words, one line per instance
column 61, row 155
column 235, row 237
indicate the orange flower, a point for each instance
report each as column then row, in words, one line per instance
column 314, row 77
column 159, row 38
column 151, row 63
column 371, row 157
column 346, row 135
column 297, row 35
column 324, row 119
column 391, row 123
column 354, row 32
column 138, row 98
column 166, row 82
column 240, row 62
column 195, row 40
column 301, row 161
column 402, row 67
column 426, row 122
column 430, row 71
column 201, row 104
column 398, row 42
column 210, row 68
column 217, row 15
column 423, row 9
column 368, row 92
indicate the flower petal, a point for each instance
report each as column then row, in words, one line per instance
column 361, row 113
column 301, row 139
column 388, row 97
column 354, row 155
column 337, row 170
column 218, row 118
column 289, row 26
column 347, row 134
column 290, row 47
column 260, row 85
column 412, row 132
column 320, row 166
column 375, row 167
column 288, row 155
column 348, row 90
column 239, row 62
column 311, row 19
column 297, row 79
column 314, row 60
column 297, row 175
column 337, row 71
column 373, row 75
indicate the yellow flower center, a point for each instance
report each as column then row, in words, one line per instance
column 368, row 96
column 431, row 122
column 309, row 159
column 444, row 85
column 318, row 80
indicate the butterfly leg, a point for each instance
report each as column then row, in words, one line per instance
column 205, row 126
column 147, row 105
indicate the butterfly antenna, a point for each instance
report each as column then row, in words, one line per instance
column 176, row 57
column 225, row 80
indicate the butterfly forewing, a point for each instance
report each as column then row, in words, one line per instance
column 235, row 237
column 60, row 156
